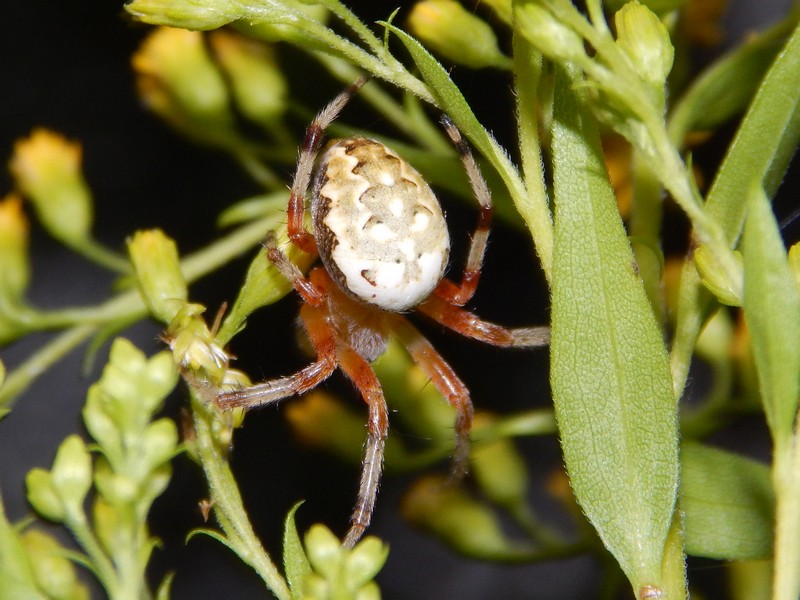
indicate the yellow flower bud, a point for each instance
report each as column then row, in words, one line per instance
column 158, row 273
column 550, row 36
column 14, row 232
column 47, row 170
column 258, row 84
column 72, row 472
column 176, row 79
column 450, row 30
column 461, row 521
column 646, row 42
column 501, row 8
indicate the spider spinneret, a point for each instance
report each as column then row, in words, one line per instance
column 383, row 242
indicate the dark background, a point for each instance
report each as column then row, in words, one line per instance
column 65, row 65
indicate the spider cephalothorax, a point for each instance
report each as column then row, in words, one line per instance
column 383, row 243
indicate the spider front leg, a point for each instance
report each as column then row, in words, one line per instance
column 324, row 342
column 460, row 294
column 362, row 376
column 305, row 167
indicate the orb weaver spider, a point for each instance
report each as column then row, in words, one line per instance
column 381, row 236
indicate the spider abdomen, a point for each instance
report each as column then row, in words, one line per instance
column 379, row 228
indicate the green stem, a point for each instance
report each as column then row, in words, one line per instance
column 786, row 480
column 534, row 210
column 100, row 562
column 227, row 500
column 20, row 378
column 95, row 252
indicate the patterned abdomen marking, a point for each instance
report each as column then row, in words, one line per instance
column 379, row 227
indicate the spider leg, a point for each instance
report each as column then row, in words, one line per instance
column 324, row 341
column 307, row 290
column 447, row 382
column 305, row 166
column 470, row 325
column 361, row 374
column 459, row 294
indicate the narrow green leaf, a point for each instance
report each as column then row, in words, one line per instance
column 295, row 561
column 765, row 142
column 727, row 502
column 610, row 377
column 772, row 312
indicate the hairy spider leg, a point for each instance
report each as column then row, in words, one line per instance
column 363, row 377
column 312, row 142
column 307, row 290
column 322, row 339
column 455, row 293
column 470, row 325
column 446, row 382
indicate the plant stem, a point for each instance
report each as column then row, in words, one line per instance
column 227, row 500
column 786, row 480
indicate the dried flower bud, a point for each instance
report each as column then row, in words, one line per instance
column 193, row 345
column 47, row 170
column 456, row 34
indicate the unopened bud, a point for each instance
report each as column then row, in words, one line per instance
column 47, row 170
column 158, row 273
column 15, row 268
column 551, row 37
column 713, row 276
column 258, row 84
column 450, row 30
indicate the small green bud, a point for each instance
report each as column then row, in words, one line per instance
column 551, row 37
column 645, row 40
column 42, row 495
column 117, row 489
column 106, row 522
column 160, row 443
column 72, row 472
column 158, row 273
column 15, row 270
column 339, row 572
column 47, row 170
column 456, row 34
column 54, row 574
column 176, row 78
column 364, row 562
column 258, row 84
column 459, row 520
column 713, row 277
column 186, row 14
column 500, row 472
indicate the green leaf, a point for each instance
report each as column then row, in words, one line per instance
column 765, row 142
column 728, row 504
column 726, row 88
column 610, row 377
column 772, row 312
column 295, row 561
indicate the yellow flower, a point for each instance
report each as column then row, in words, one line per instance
column 176, row 79
column 14, row 233
column 47, row 169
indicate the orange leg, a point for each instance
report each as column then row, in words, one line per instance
column 324, row 343
column 470, row 325
column 446, row 381
column 361, row 374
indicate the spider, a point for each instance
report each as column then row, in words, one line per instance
column 381, row 236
